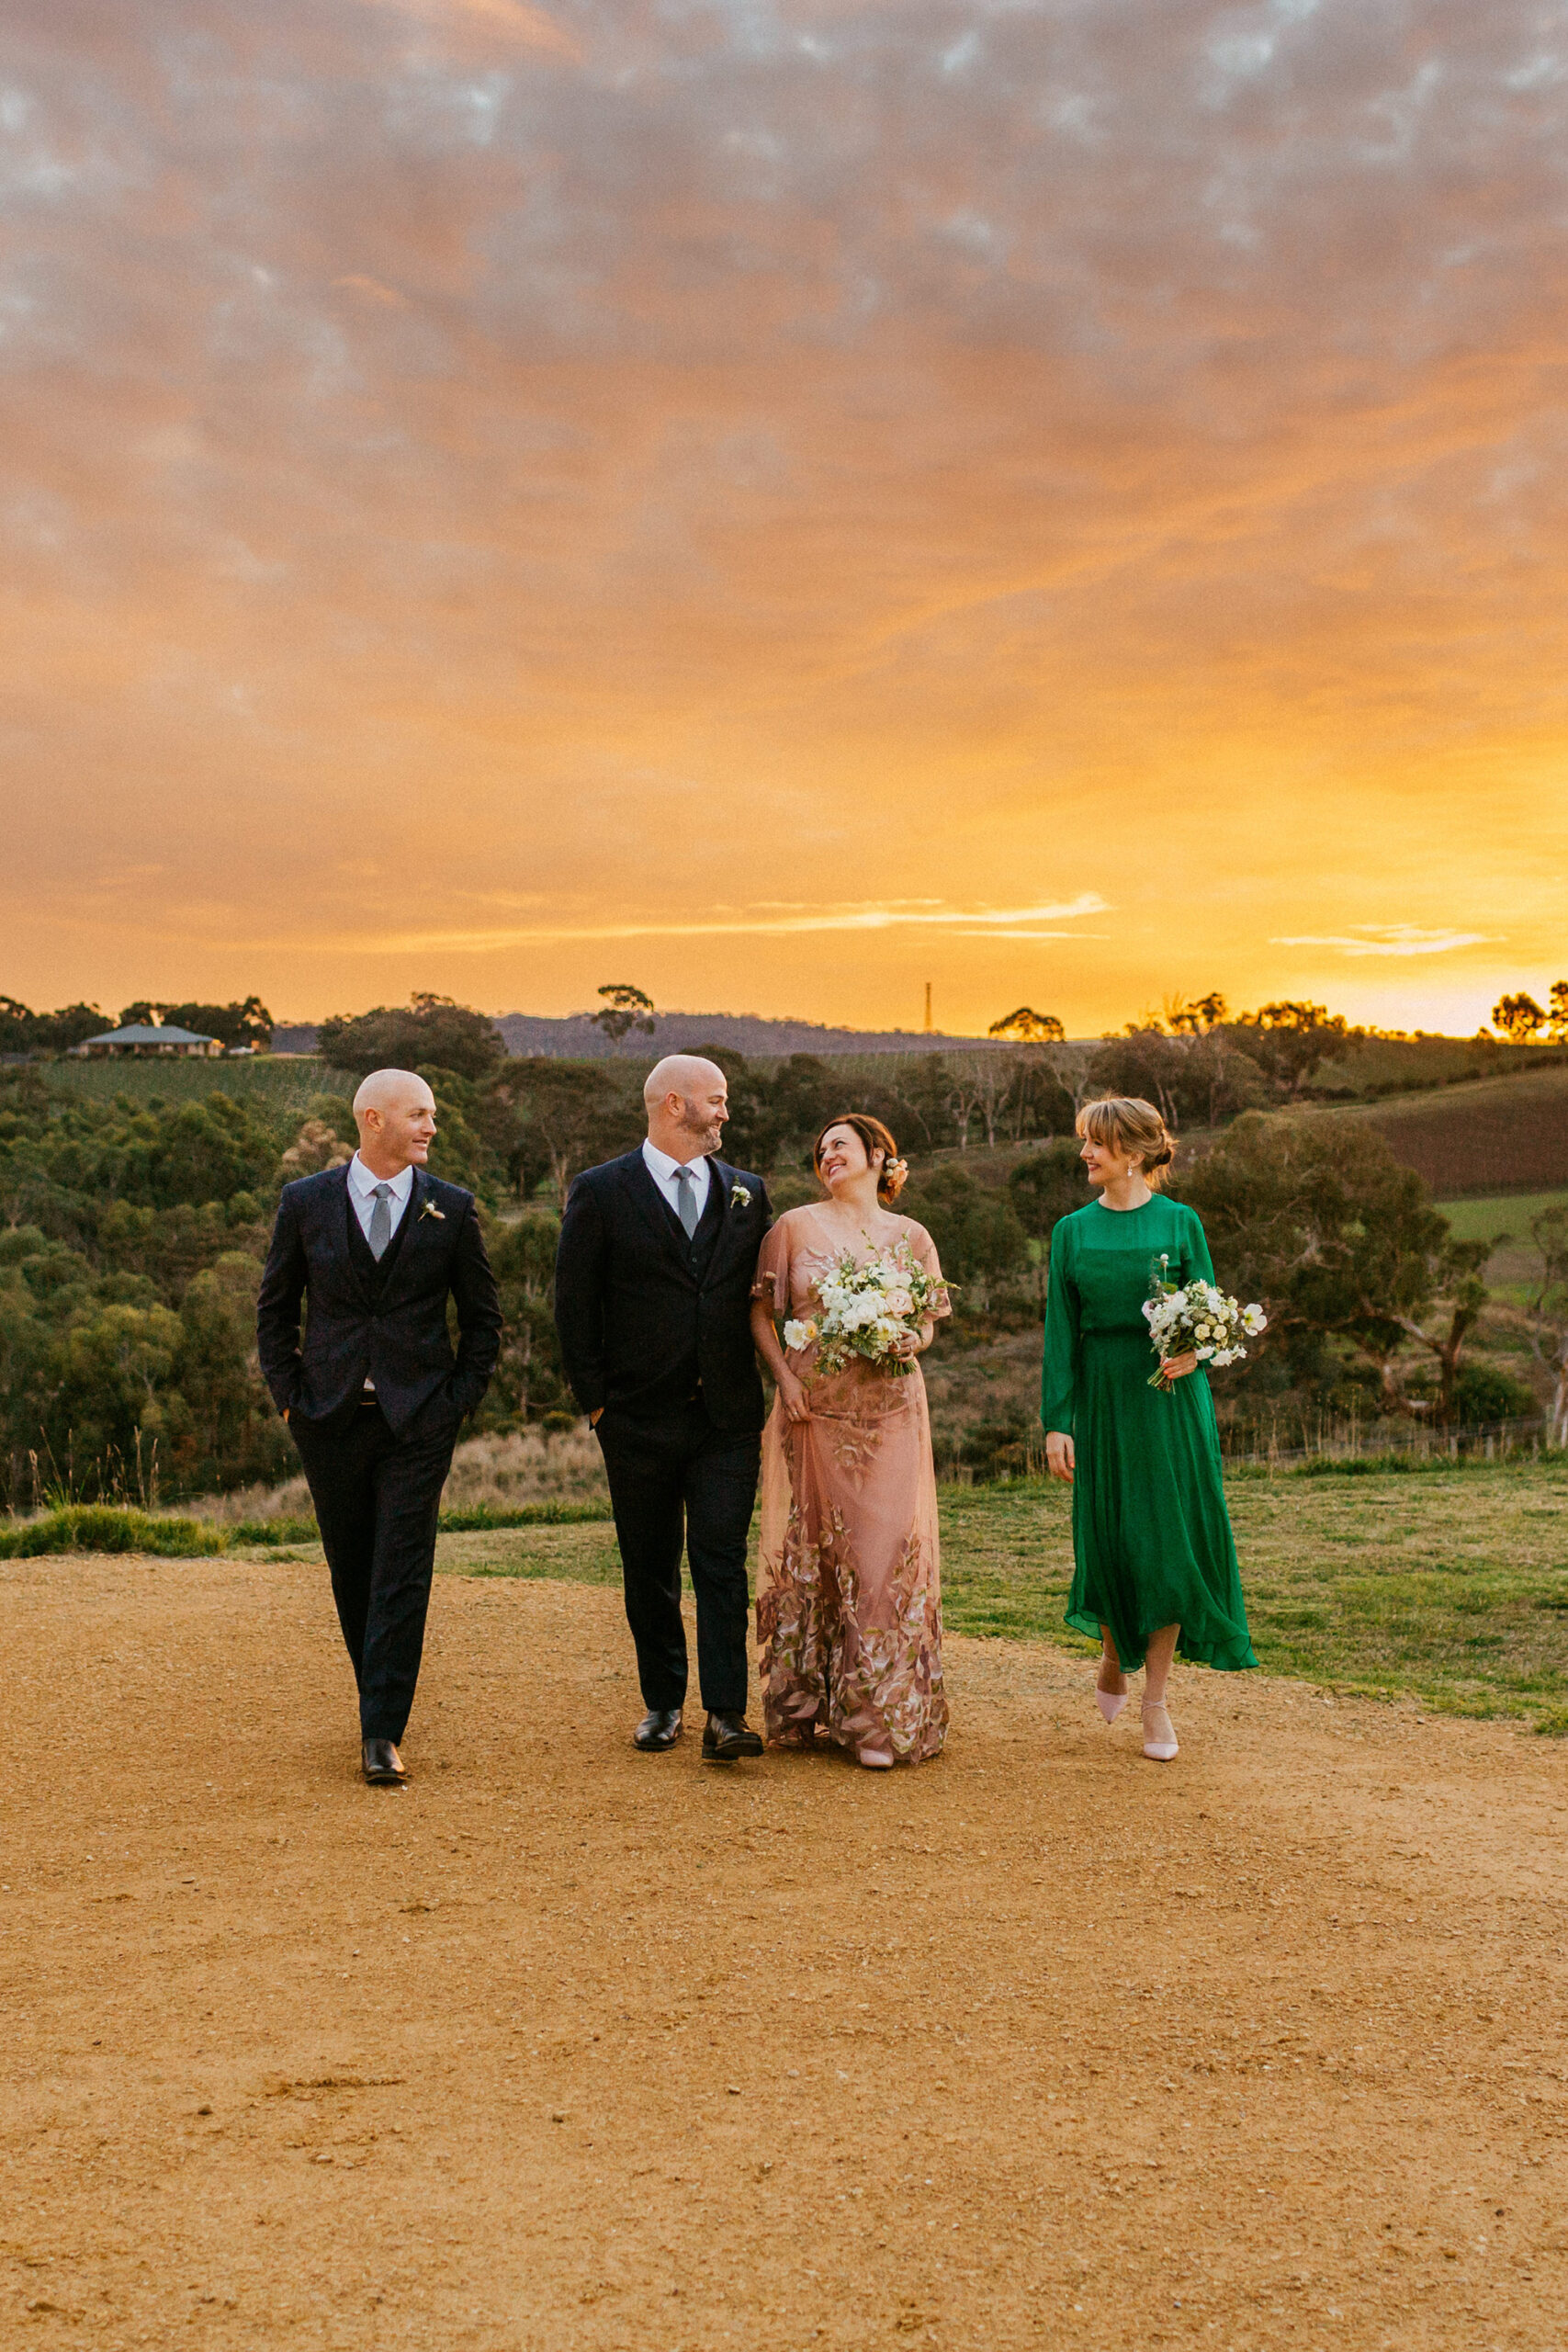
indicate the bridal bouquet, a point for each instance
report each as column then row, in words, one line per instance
column 1198, row 1316
column 866, row 1310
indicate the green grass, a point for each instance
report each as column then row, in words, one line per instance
column 104, row 1527
column 581, row 1554
column 110, row 1527
column 1503, row 1213
column 1503, row 1219
column 1451, row 1587
column 476, row 1520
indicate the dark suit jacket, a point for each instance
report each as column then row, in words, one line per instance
column 638, row 1323
column 388, row 1322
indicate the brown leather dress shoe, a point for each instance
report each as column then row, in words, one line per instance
column 382, row 1765
column 658, row 1730
column 725, row 1736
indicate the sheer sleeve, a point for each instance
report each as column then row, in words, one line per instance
column 772, row 1279
column 1197, row 1248
column 924, row 1249
column 1058, row 1386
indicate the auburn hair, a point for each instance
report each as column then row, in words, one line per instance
column 1125, row 1123
column 875, row 1137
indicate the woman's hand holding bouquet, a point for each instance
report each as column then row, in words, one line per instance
column 1194, row 1323
column 876, row 1312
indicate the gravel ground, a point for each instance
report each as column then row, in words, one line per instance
column 563, row 2047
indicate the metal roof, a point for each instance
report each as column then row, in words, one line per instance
column 141, row 1033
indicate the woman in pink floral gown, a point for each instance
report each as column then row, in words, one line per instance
column 848, row 1587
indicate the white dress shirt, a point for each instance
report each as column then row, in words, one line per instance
column 362, row 1193
column 661, row 1168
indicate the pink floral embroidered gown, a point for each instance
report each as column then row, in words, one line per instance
column 849, row 1585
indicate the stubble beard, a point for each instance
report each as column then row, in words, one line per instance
column 704, row 1131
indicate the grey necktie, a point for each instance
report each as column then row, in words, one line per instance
column 380, row 1232
column 686, row 1197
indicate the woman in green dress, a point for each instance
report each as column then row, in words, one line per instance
column 1156, row 1569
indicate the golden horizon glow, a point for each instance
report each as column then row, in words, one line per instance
column 779, row 505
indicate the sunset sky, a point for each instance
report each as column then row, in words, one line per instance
column 776, row 503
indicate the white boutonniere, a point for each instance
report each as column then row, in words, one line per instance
column 430, row 1209
column 739, row 1197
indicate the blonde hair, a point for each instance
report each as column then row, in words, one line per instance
column 1125, row 1123
column 894, row 1171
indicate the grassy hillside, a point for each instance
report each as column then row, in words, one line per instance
column 1501, row 1217
column 282, row 1080
column 1505, row 1219
column 1379, row 1066
column 1499, row 1135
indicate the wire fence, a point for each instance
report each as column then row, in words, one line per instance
column 1332, row 1443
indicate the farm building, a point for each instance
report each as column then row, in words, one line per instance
column 141, row 1041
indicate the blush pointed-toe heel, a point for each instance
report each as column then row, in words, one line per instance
column 1159, row 1732
column 1110, row 1702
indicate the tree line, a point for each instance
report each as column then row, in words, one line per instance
column 245, row 1021
column 1518, row 1018
column 132, row 1234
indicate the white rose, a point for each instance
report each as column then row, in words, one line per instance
column 900, row 1301
column 799, row 1335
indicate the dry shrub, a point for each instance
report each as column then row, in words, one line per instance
column 532, row 1466
column 529, row 1467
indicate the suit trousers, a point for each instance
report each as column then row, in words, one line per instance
column 677, row 1478
column 376, row 1500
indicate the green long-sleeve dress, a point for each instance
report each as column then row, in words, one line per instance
column 1152, row 1537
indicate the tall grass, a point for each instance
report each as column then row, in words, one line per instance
column 106, row 1527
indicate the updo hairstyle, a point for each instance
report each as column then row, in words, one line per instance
column 1125, row 1123
column 876, row 1136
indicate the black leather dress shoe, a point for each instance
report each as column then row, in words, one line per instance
column 658, row 1730
column 725, row 1736
column 383, row 1765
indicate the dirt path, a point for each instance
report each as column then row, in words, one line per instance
column 567, row 2048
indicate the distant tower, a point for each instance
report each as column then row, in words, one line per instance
column 928, row 1008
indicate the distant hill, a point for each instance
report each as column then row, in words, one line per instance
column 1499, row 1135
column 577, row 1040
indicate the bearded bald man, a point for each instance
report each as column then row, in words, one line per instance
column 374, row 1397
column 653, row 1304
